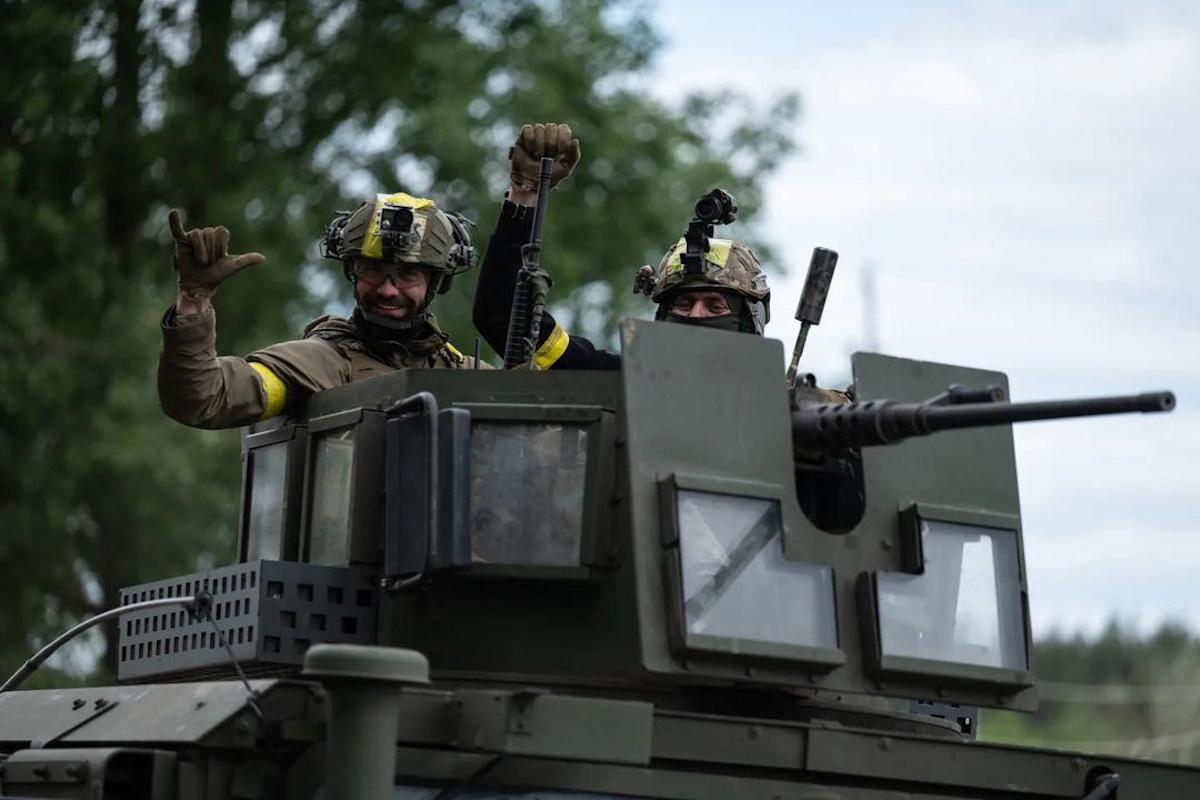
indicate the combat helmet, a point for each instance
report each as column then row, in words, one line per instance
column 401, row 229
column 726, row 266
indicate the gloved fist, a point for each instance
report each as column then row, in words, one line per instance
column 551, row 140
column 202, row 257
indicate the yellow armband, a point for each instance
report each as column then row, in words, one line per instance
column 274, row 388
column 552, row 349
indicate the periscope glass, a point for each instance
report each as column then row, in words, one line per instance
column 527, row 486
column 268, row 469
column 332, row 474
column 966, row 608
column 736, row 582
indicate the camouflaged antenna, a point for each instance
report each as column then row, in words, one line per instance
column 812, row 302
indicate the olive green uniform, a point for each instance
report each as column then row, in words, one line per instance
column 199, row 388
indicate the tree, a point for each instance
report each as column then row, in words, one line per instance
column 265, row 116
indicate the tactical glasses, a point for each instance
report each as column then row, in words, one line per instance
column 374, row 272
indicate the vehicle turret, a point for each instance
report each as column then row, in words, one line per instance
column 683, row 579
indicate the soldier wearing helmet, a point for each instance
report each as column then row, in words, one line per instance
column 728, row 278
column 399, row 252
column 726, row 290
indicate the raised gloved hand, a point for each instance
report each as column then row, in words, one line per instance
column 202, row 262
column 534, row 142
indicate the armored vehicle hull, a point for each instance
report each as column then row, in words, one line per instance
column 628, row 584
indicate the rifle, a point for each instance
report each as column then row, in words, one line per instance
column 529, row 295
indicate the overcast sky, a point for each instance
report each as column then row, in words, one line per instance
column 1025, row 180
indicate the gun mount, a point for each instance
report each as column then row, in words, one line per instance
column 609, row 594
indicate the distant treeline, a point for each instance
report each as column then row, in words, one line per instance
column 1121, row 692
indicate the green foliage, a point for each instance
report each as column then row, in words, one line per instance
column 1119, row 693
column 266, row 115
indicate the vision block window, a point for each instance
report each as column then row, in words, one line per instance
column 267, row 476
column 527, row 487
column 736, row 582
column 966, row 608
column 332, row 475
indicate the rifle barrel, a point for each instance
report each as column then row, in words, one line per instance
column 545, row 171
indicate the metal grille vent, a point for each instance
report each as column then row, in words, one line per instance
column 269, row 611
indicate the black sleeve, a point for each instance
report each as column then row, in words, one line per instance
column 587, row 356
column 498, row 275
column 494, row 295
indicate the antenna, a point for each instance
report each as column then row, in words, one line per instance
column 812, row 301
column 870, row 309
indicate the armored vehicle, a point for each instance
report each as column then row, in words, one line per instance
column 683, row 579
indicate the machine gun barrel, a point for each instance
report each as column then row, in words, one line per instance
column 877, row 422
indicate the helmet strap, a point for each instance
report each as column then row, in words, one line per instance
column 393, row 325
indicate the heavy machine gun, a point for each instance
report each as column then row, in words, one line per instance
column 486, row 581
column 832, row 426
column 688, row 579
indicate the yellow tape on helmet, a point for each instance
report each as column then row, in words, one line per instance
column 372, row 244
column 717, row 255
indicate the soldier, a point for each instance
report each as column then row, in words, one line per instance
column 731, row 292
column 398, row 252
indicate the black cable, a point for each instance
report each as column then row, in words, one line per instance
column 252, row 695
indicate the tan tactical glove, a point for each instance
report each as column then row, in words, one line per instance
column 534, row 142
column 203, row 261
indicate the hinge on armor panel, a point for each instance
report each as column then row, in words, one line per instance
column 965, row 717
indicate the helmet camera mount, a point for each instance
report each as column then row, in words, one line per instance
column 396, row 232
column 718, row 207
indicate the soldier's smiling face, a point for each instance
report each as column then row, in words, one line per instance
column 390, row 290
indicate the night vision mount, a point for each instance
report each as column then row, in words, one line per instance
column 718, row 207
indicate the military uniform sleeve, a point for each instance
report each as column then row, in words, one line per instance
column 198, row 388
column 498, row 274
column 559, row 350
column 494, row 294
column 305, row 366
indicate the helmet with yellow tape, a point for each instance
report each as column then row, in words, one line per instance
column 727, row 266
column 401, row 229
